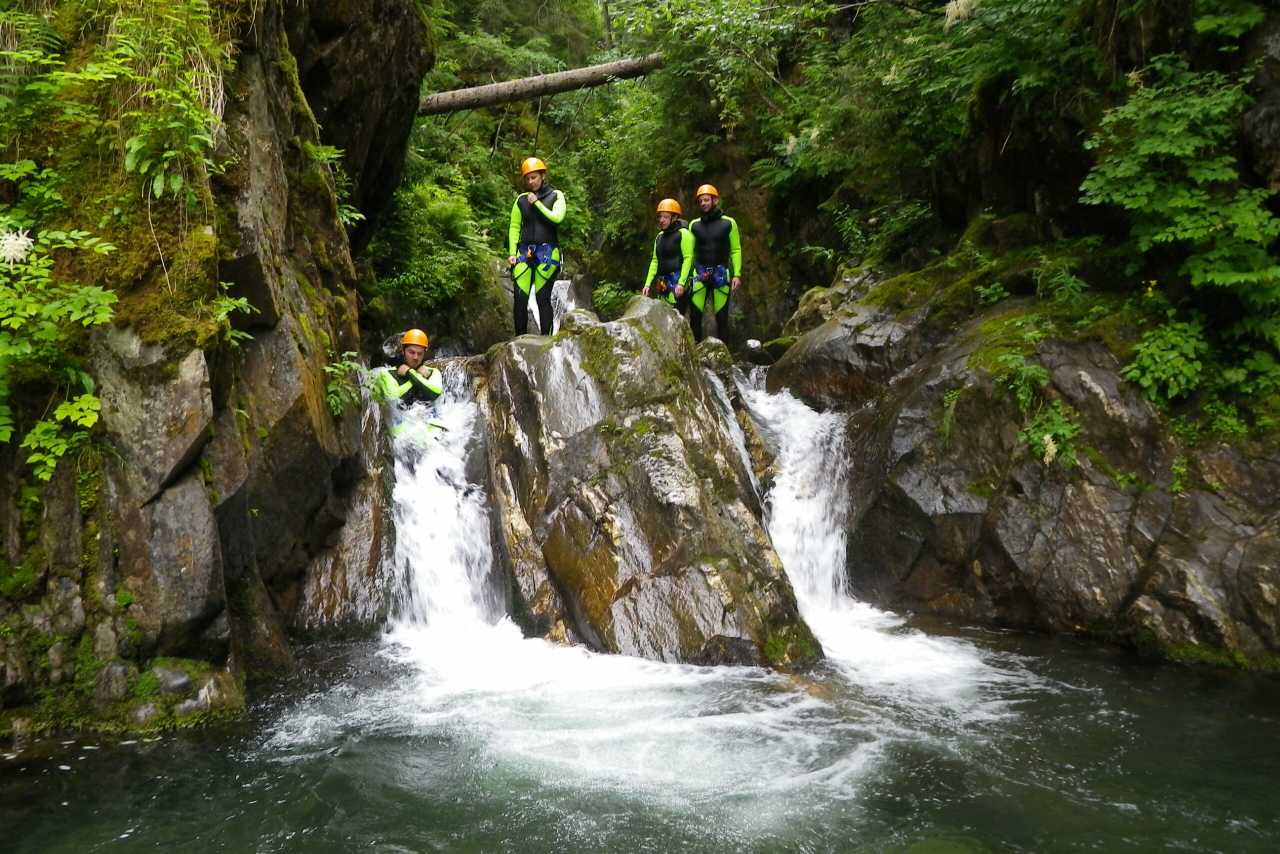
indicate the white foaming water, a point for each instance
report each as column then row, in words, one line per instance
column 807, row 515
column 716, row 746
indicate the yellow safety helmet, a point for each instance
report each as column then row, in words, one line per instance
column 670, row 206
column 414, row 336
column 532, row 164
column 707, row 190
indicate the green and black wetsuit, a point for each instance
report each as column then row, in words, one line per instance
column 717, row 259
column 671, row 262
column 409, row 389
column 534, row 240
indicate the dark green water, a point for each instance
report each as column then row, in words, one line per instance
column 1083, row 750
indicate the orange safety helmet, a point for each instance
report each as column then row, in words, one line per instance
column 415, row 336
column 707, row 190
column 532, row 164
column 670, row 206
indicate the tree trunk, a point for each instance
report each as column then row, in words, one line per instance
column 608, row 24
column 533, row 87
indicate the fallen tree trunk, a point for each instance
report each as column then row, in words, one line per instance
column 533, row 87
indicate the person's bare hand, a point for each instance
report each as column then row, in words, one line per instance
column 736, row 283
column 402, row 370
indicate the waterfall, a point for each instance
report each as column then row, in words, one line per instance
column 731, row 754
column 807, row 516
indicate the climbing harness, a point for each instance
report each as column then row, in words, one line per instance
column 715, row 279
column 664, row 287
column 542, row 259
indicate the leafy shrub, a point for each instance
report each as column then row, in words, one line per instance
column 1168, row 361
column 1021, row 377
column 1167, row 156
column 430, row 248
column 1049, row 435
column 610, row 299
column 342, row 387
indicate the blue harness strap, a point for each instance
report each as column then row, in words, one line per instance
column 712, row 277
column 542, row 253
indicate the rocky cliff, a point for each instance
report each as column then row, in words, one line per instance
column 225, row 503
column 1124, row 532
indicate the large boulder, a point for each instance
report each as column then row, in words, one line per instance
column 849, row 358
column 625, row 515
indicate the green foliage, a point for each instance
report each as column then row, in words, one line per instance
column 1180, row 470
column 1229, row 19
column 39, row 311
column 610, row 299
column 49, row 440
column 1167, row 155
column 342, row 387
column 17, row 581
column 221, row 308
column 1023, row 378
column 1056, row 281
column 1050, row 433
column 430, row 248
column 330, row 157
column 1168, row 362
column 123, row 598
column 992, row 293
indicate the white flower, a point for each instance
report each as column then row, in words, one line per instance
column 14, row 246
column 1050, row 449
column 959, row 10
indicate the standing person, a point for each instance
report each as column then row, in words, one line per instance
column 410, row 381
column 668, row 274
column 717, row 262
column 533, row 244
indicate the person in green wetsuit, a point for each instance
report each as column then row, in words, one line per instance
column 672, row 257
column 717, row 262
column 410, row 381
column 533, row 244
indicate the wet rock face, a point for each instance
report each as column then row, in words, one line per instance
column 156, row 411
column 1261, row 126
column 849, row 358
column 953, row 514
column 625, row 516
column 363, row 58
column 224, row 483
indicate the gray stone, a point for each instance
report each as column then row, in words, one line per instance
column 66, row 607
column 850, row 358
column 171, row 555
column 113, row 683
column 104, row 641
column 171, row 680
column 157, row 421
column 60, row 667
column 145, row 714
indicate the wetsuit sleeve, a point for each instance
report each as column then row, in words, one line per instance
column 432, row 383
column 513, row 233
column 558, row 208
column 735, row 247
column 653, row 265
column 385, row 386
column 686, row 254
